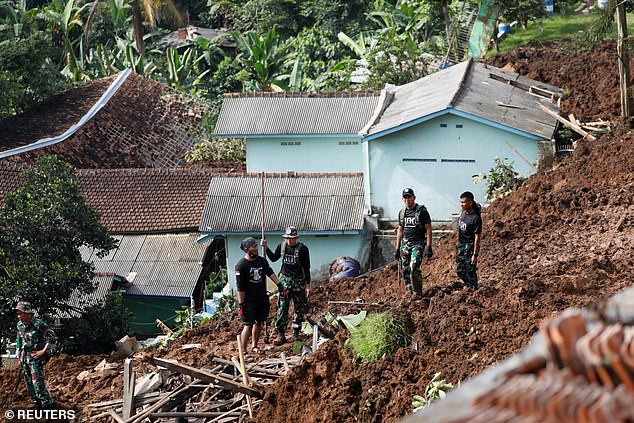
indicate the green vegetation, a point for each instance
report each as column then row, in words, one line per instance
column 501, row 180
column 556, row 28
column 380, row 334
column 436, row 389
column 42, row 226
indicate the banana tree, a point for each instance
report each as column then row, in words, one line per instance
column 17, row 19
column 63, row 18
column 263, row 59
column 182, row 69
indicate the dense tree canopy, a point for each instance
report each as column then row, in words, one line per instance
column 42, row 225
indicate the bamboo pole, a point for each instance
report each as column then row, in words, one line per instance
column 624, row 60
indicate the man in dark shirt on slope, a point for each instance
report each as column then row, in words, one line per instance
column 413, row 241
column 469, row 232
column 251, row 273
column 295, row 279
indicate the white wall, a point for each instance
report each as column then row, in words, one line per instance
column 311, row 155
column 438, row 184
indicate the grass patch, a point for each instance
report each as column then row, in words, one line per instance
column 377, row 335
column 553, row 29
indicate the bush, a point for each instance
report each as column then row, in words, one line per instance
column 228, row 149
column 377, row 335
column 501, row 180
column 217, row 281
column 98, row 327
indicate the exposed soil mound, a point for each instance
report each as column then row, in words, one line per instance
column 590, row 79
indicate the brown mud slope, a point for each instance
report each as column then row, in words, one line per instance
column 590, row 79
column 564, row 238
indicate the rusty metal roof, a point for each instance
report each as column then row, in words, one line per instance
column 311, row 202
column 250, row 114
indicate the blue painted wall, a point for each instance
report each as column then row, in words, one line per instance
column 467, row 151
column 312, row 154
column 323, row 250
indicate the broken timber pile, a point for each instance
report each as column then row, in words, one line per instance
column 226, row 393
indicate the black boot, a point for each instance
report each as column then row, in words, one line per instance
column 296, row 335
column 280, row 339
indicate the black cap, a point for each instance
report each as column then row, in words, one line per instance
column 248, row 243
column 408, row 191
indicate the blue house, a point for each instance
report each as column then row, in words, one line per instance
column 433, row 134
column 327, row 209
column 300, row 132
column 439, row 131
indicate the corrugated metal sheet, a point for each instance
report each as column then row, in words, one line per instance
column 170, row 279
column 315, row 114
column 471, row 89
column 309, row 202
column 421, row 98
column 502, row 102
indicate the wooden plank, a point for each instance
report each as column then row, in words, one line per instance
column 140, row 400
column 207, row 377
column 253, row 367
column 176, row 400
column 520, row 154
column 566, row 122
column 128, row 389
column 286, row 366
column 115, row 416
column 142, row 415
column 200, row 414
column 245, row 376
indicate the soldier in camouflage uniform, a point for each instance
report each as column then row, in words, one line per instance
column 413, row 241
column 469, row 230
column 295, row 278
column 35, row 343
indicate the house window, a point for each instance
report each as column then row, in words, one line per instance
column 416, row 159
column 459, row 125
column 348, row 142
column 290, row 143
column 443, row 125
column 457, row 160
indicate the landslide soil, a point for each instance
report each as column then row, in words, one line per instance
column 563, row 239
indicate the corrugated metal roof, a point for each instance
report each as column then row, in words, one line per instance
column 421, row 98
column 296, row 113
column 165, row 265
column 311, row 202
column 484, row 91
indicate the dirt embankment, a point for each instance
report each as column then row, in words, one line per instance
column 564, row 238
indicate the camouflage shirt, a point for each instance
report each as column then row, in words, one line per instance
column 34, row 336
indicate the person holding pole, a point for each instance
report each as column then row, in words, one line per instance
column 413, row 241
column 253, row 300
column 295, row 278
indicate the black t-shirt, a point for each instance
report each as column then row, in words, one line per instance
column 294, row 262
column 251, row 278
column 469, row 224
column 413, row 228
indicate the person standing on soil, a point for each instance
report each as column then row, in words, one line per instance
column 295, row 279
column 253, row 300
column 413, row 241
column 34, row 344
column 469, row 230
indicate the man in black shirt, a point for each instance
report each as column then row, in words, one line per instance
column 295, row 278
column 413, row 241
column 469, row 230
column 251, row 273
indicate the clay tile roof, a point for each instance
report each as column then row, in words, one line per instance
column 144, row 124
column 137, row 200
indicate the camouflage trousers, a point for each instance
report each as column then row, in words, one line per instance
column 33, row 373
column 465, row 269
column 411, row 259
column 295, row 292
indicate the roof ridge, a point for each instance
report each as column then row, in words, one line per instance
column 305, row 94
column 292, row 174
column 461, row 84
